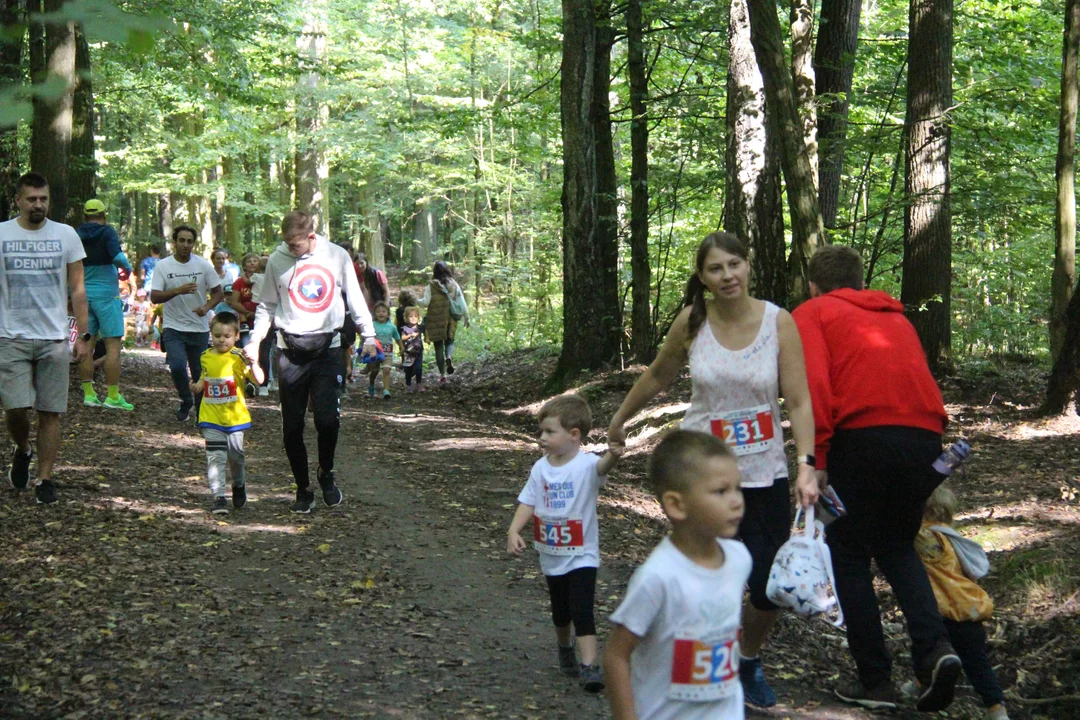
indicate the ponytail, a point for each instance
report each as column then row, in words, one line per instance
column 695, row 297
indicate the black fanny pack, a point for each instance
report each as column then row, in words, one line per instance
column 305, row 348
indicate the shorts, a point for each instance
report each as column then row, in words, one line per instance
column 106, row 318
column 34, row 373
column 766, row 525
column 572, row 599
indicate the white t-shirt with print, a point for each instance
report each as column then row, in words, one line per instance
column 179, row 313
column 33, row 279
column 564, row 513
column 688, row 617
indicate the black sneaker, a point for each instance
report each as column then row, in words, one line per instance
column 220, row 506
column 305, row 501
column 568, row 664
column 239, row 496
column 19, row 472
column 449, row 366
column 592, row 681
column 882, row 697
column 330, row 493
column 183, row 413
column 45, row 492
column 939, row 683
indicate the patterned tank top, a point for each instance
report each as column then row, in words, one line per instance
column 736, row 397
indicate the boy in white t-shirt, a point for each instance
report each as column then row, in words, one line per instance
column 560, row 498
column 674, row 652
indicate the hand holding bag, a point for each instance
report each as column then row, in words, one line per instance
column 801, row 577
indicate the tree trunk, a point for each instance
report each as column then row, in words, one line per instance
column 753, row 206
column 375, row 247
column 1063, row 378
column 83, row 169
column 592, row 324
column 11, row 73
column 802, row 76
column 925, row 288
column 425, row 236
column 806, row 230
column 308, row 190
column 50, row 141
column 232, row 220
column 1064, row 276
column 641, row 330
column 834, row 67
column 165, row 204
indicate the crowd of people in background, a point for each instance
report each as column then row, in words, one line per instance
column 866, row 417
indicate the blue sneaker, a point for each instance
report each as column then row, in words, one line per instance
column 755, row 687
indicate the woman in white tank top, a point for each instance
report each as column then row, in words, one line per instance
column 743, row 353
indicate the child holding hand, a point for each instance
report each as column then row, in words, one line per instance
column 386, row 334
column 560, row 499
column 412, row 346
column 674, row 651
column 223, row 414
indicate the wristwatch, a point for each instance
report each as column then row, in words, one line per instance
column 808, row 459
column 85, row 337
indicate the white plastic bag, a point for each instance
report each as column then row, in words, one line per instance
column 801, row 577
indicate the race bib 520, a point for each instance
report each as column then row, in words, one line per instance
column 745, row 431
column 220, row 390
column 706, row 670
column 558, row 536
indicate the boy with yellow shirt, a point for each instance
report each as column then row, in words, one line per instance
column 223, row 414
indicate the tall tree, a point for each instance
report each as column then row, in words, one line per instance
column 50, row 140
column 1064, row 276
column 309, row 196
column 802, row 76
column 927, row 279
column 753, row 206
column 806, row 230
column 641, row 327
column 591, row 317
column 834, row 68
column 11, row 74
column 82, row 173
column 1061, row 386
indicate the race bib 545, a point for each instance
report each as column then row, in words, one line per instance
column 745, row 431
column 704, row 670
column 565, row 536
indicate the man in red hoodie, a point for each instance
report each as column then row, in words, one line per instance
column 878, row 417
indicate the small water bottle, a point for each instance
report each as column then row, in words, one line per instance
column 954, row 456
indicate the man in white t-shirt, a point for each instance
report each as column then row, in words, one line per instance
column 40, row 265
column 674, row 652
column 560, row 499
column 181, row 283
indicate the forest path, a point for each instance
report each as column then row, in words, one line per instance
column 128, row 600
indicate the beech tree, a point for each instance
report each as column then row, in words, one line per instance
column 641, row 330
column 1064, row 275
column 52, row 63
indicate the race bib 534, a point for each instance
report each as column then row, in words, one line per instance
column 704, row 670
column 745, row 431
column 558, row 536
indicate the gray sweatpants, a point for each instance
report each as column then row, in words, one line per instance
column 220, row 447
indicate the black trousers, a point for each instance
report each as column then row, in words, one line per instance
column 416, row 370
column 969, row 641
column 572, row 598
column 319, row 381
column 884, row 476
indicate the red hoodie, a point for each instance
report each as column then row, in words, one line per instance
column 865, row 366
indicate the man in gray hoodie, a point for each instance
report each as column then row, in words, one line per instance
column 306, row 280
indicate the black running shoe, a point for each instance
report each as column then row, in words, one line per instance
column 19, row 472
column 449, row 366
column 220, row 506
column 939, row 688
column 592, row 681
column 568, row 664
column 330, row 493
column 305, row 501
column 183, row 413
column 45, row 492
column 239, row 496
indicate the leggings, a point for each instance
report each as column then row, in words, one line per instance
column 443, row 350
column 969, row 641
column 416, row 370
column 319, row 381
column 222, row 447
column 572, row 598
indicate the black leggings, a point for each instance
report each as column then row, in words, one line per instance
column 416, row 370
column 765, row 526
column 318, row 380
column 969, row 641
column 572, row 598
column 443, row 350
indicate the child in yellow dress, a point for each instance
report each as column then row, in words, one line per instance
column 953, row 564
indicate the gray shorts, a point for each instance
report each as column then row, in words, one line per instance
column 34, row 373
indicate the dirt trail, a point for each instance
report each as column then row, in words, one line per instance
column 128, row 600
